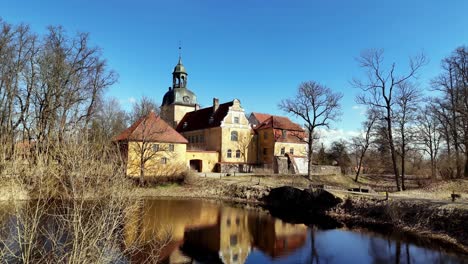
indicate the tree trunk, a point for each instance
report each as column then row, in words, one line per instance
column 392, row 149
column 403, row 158
column 142, row 169
column 457, row 159
column 309, row 155
column 465, row 174
column 433, row 167
column 360, row 164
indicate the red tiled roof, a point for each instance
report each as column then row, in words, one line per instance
column 261, row 117
column 279, row 122
column 200, row 119
column 291, row 136
column 151, row 128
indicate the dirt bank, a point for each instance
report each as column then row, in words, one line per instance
column 249, row 191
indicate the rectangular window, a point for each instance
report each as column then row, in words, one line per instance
column 163, row 160
column 155, row 147
column 264, row 151
column 202, row 138
column 171, row 147
column 291, row 151
column 283, row 150
column 283, row 132
column 236, row 120
column 265, row 134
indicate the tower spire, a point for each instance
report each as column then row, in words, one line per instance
column 180, row 52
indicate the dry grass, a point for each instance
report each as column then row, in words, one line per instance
column 81, row 201
column 439, row 190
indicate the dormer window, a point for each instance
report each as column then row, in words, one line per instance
column 283, row 133
column 211, row 120
column 185, row 125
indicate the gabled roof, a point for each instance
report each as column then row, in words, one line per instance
column 151, row 128
column 279, row 122
column 200, row 119
column 261, row 117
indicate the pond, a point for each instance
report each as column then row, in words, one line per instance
column 208, row 232
column 200, row 231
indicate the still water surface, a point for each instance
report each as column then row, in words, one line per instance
column 208, row 232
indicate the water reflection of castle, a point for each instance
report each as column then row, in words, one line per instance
column 208, row 232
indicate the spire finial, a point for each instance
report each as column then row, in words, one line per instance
column 180, row 51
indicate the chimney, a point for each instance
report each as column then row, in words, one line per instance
column 215, row 104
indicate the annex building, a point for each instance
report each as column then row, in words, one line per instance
column 218, row 138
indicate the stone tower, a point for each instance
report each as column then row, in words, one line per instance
column 179, row 100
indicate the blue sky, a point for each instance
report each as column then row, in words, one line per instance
column 255, row 50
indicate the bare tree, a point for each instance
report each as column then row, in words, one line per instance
column 143, row 107
column 379, row 88
column 317, row 106
column 430, row 136
column 362, row 142
column 109, row 120
column 407, row 101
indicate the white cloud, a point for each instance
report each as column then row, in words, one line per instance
column 327, row 136
column 131, row 100
column 360, row 108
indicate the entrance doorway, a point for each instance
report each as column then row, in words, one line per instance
column 196, row 165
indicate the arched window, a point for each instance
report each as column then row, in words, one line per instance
column 234, row 136
column 237, row 153
column 229, row 153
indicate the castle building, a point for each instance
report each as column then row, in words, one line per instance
column 151, row 147
column 221, row 138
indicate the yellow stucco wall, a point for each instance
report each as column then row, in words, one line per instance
column 172, row 114
column 299, row 149
column 211, row 139
column 208, row 158
column 175, row 160
column 245, row 143
column 266, row 141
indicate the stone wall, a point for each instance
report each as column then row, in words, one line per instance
column 326, row 170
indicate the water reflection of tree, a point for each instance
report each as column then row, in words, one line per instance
column 389, row 251
column 314, row 253
column 380, row 251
